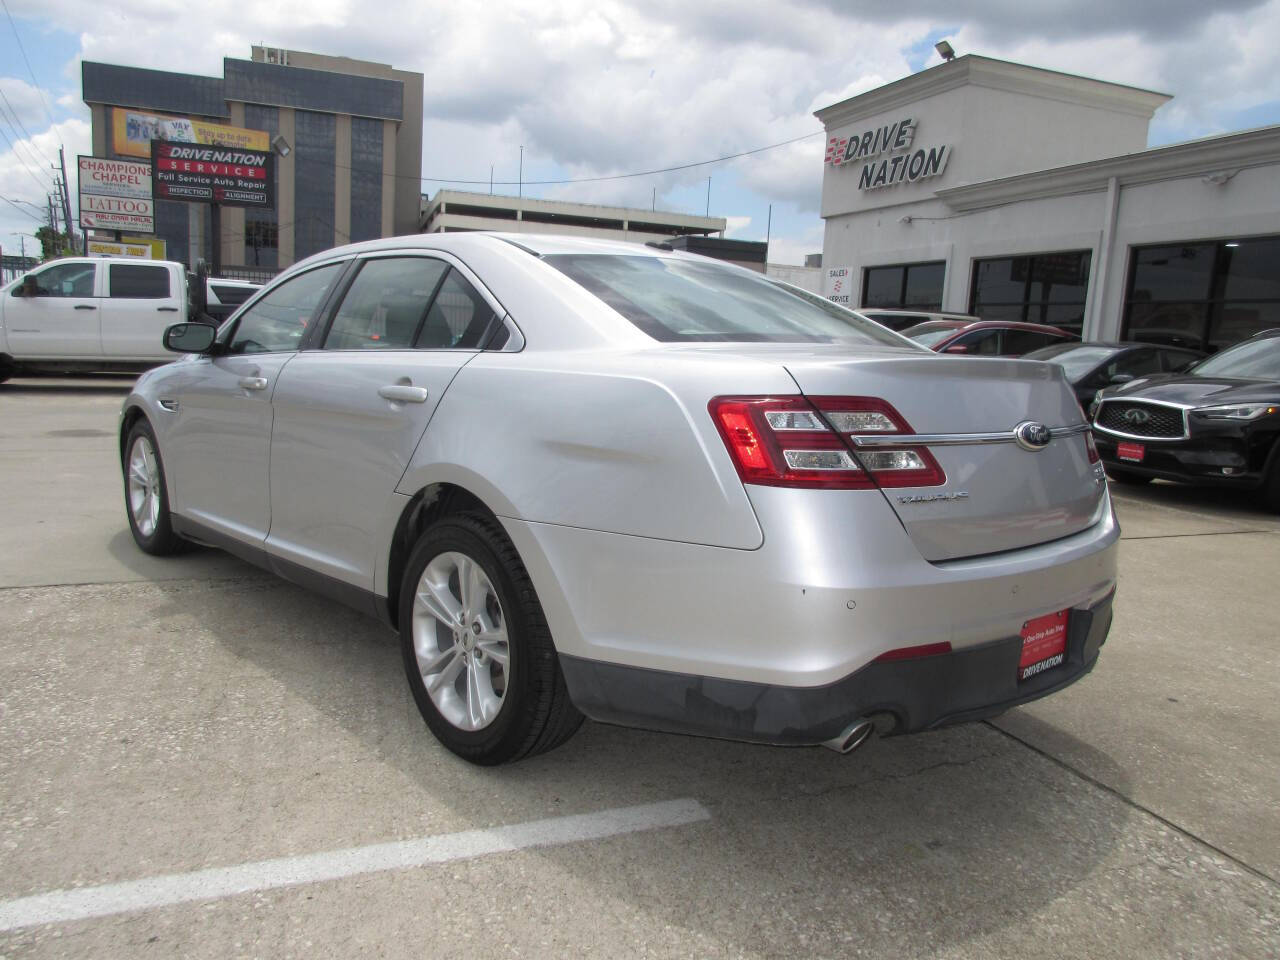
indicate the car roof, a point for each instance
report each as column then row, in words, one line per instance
column 907, row 312
column 1016, row 325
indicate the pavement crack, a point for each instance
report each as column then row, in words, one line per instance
column 1130, row 802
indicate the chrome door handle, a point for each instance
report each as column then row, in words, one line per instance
column 85, row 306
column 253, row 383
column 402, row 393
column 166, row 309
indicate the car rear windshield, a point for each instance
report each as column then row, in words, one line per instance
column 927, row 334
column 672, row 299
column 1075, row 361
column 1251, row 360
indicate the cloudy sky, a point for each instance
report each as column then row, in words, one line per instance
column 601, row 88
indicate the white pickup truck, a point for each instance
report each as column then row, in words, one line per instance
column 97, row 313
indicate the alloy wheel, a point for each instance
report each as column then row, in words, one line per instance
column 144, row 486
column 460, row 641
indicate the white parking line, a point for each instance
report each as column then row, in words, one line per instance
column 63, row 905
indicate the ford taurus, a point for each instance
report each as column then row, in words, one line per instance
column 604, row 479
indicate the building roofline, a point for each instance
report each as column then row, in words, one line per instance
column 1219, row 157
column 603, row 211
column 974, row 70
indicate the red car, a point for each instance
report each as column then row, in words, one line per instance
column 987, row 338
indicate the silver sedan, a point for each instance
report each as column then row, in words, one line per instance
column 582, row 477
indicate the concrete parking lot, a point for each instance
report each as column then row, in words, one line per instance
column 188, row 746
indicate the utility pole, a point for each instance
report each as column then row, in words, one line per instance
column 491, row 179
column 521, row 193
column 66, row 199
column 767, row 231
column 708, row 196
column 654, row 205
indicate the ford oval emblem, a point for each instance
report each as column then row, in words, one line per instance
column 1031, row 435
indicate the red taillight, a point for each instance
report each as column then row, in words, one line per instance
column 1091, row 447
column 799, row 442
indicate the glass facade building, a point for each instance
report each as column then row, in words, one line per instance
column 349, row 145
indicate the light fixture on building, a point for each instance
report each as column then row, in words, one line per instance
column 1231, row 243
column 281, row 146
column 945, row 50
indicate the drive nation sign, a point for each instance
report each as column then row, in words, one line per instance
column 197, row 173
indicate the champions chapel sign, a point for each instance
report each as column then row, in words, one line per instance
column 899, row 167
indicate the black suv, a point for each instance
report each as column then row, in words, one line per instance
column 1217, row 423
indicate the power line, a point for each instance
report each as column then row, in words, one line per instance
column 18, row 120
column 626, row 176
column 25, row 213
column 26, row 166
column 23, row 51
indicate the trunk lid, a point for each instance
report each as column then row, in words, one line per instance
column 1014, row 497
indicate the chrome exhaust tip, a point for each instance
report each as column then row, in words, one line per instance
column 854, row 736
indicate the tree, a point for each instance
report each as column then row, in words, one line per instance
column 53, row 244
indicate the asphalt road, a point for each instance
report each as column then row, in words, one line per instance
column 200, row 760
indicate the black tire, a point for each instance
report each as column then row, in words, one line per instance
column 536, row 714
column 1120, row 475
column 161, row 541
column 1269, row 493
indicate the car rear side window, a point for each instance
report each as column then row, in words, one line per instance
column 386, row 304
column 458, row 319
column 673, row 299
column 279, row 319
column 232, row 296
column 138, row 281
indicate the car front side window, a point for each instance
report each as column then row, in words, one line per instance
column 280, row 319
column 66, row 280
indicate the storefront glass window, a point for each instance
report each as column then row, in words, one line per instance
column 1041, row 288
column 1204, row 295
column 916, row 286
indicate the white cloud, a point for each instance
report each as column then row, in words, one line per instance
column 735, row 225
column 602, row 87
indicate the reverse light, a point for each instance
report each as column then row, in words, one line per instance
column 1238, row 411
column 807, row 442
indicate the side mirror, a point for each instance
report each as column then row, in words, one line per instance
column 958, row 348
column 189, row 337
column 1122, row 378
column 29, row 287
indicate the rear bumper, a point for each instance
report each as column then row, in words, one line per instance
column 964, row 685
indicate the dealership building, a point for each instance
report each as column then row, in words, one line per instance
column 347, row 138
column 1016, row 193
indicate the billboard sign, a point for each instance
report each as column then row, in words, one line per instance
column 200, row 174
column 116, row 195
column 140, row 248
column 837, row 285
column 133, row 130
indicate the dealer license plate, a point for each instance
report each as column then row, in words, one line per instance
column 1133, row 452
column 1044, row 644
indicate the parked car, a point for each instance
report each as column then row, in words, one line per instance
column 986, row 338
column 901, row 319
column 1091, row 366
column 583, row 477
column 1216, row 424
column 91, row 314
column 223, row 297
